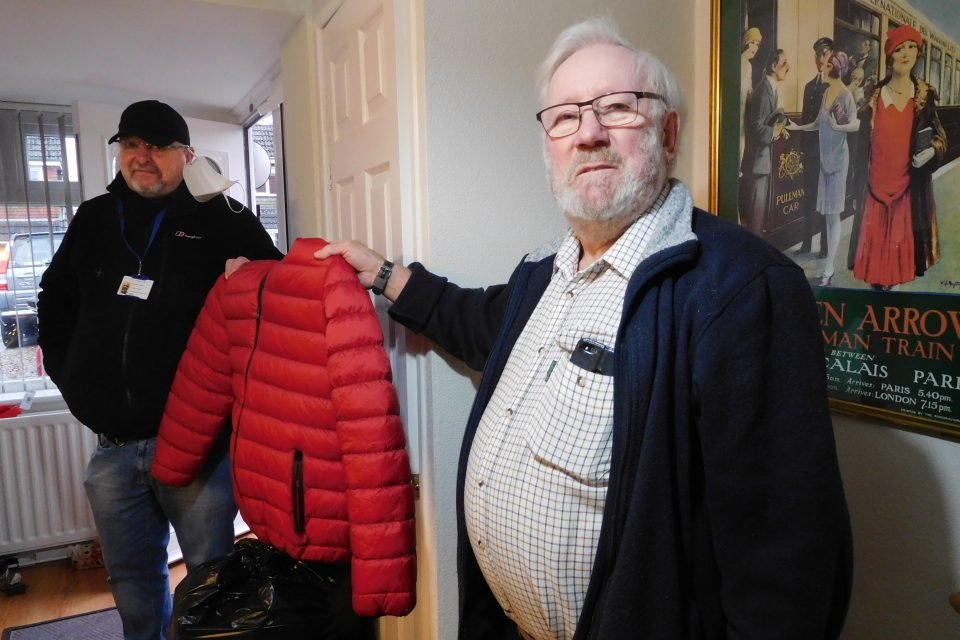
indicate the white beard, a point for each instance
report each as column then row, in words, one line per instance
column 637, row 188
column 153, row 189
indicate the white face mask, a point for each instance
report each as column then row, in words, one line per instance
column 203, row 181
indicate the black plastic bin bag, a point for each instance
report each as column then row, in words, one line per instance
column 258, row 592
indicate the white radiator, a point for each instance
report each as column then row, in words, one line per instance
column 42, row 502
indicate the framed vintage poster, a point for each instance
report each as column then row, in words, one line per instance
column 836, row 137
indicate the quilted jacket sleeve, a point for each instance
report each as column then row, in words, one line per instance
column 376, row 467
column 200, row 398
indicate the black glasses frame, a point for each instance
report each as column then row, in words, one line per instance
column 591, row 103
column 126, row 144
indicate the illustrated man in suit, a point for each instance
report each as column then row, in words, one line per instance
column 761, row 128
column 866, row 60
column 813, row 92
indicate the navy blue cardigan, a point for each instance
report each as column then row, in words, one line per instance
column 725, row 514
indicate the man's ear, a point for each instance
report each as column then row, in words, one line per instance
column 671, row 134
column 190, row 153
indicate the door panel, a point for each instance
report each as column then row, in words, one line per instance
column 360, row 108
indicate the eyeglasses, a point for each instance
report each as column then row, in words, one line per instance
column 612, row 110
column 129, row 145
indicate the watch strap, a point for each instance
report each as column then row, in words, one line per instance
column 383, row 275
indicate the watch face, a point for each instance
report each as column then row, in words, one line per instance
column 386, row 269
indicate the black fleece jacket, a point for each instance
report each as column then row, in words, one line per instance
column 113, row 356
column 725, row 517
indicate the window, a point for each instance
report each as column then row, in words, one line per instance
column 857, row 33
column 920, row 70
column 934, row 77
column 39, row 191
column 947, row 96
column 264, row 153
column 956, row 83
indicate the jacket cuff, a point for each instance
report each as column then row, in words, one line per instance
column 418, row 298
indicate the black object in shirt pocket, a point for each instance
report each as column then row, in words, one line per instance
column 593, row 356
column 573, row 430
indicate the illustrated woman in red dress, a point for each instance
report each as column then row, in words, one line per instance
column 895, row 237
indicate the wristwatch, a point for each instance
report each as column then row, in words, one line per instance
column 380, row 282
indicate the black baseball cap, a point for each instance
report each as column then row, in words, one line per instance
column 154, row 121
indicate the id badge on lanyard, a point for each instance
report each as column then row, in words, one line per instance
column 137, row 285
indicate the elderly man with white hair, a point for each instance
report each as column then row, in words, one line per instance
column 650, row 453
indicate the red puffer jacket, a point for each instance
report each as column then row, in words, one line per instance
column 319, row 465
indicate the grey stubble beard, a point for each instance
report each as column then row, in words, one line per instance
column 637, row 189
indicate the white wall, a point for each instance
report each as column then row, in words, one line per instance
column 905, row 509
column 95, row 123
column 302, row 145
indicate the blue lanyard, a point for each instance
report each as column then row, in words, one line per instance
column 153, row 234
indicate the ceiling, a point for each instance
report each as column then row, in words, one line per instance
column 203, row 58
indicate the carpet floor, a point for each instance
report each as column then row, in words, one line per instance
column 98, row 625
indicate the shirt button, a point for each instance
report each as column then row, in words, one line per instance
column 581, row 382
column 480, row 484
column 509, row 412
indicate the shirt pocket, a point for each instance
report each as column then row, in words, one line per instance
column 572, row 429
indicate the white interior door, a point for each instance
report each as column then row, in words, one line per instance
column 362, row 151
column 364, row 194
column 361, row 110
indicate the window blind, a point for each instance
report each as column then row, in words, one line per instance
column 40, row 192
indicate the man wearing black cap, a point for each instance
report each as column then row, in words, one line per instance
column 117, row 305
column 813, row 92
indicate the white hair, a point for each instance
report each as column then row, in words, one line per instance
column 651, row 72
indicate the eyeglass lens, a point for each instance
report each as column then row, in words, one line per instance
column 134, row 145
column 616, row 109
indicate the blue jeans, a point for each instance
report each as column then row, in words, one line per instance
column 133, row 513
